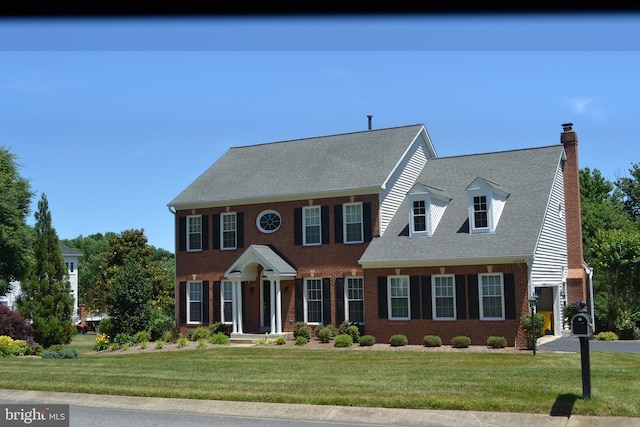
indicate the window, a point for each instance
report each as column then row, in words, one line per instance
column 355, row 299
column 227, row 301
column 313, row 300
column 194, row 302
column 353, row 223
column 194, row 233
column 444, row 297
column 312, row 234
column 480, row 213
column 419, row 216
column 268, row 221
column 491, row 297
column 399, row 297
column 228, row 229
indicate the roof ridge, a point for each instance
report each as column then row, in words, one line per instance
column 487, row 153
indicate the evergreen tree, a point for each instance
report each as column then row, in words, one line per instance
column 15, row 234
column 46, row 298
column 129, row 299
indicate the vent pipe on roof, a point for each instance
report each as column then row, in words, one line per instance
column 369, row 116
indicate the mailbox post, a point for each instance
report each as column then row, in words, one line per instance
column 581, row 327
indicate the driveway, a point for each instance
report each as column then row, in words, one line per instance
column 572, row 344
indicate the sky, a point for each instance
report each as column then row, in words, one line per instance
column 111, row 118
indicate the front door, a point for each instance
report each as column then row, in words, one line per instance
column 266, row 305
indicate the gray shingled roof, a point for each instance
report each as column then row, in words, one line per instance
column 527, row 174
column 66, row 250
column 322, row 165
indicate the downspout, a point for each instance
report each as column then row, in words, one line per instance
column 175, row 272
column 589, row 271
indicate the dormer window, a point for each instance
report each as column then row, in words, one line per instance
column 426, row 207
column 486, row 202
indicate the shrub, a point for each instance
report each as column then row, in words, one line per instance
column 496, row 342
column 125, row 347
column 301, row 329
column 144, row 344
column 398, row 340
column 104, row 326
column 343, row 340
column 344, row 326
column 182, row 342
column 159, row 344
column 13, row 325
column 432, row 341
column 159, row 324
column 141, row 337
column 123, row 339
column 354, row 332
column 6, row 346
column 33, row 348
column 460, row 341
column 48, row 354
column 606, row 336
column 325, row 334
column 367, row 340
column 280, row 340
column 170, row 336
column 113, row 346
column 301, row 340
column 569, row 311
column 525, row 325
column 626, row 325
column 20, row 347
column 219, row 327
column 219, row 338
column 202, row 343
column 199, row 333
column 334, row 331
column 102, row 342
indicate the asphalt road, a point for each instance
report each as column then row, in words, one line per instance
column 572, row 344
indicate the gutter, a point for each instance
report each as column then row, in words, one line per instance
column 175, row 271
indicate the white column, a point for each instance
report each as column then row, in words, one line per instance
column 272, row 305
column 278, row 307
column 234, row 306
column 238, row 316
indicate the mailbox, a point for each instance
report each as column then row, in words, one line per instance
column 581, row 326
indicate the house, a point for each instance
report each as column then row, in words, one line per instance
column 71, row 259
column 374, row 228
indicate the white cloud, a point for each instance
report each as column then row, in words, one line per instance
column 587, row 107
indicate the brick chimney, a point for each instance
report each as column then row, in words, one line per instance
column 576, row 276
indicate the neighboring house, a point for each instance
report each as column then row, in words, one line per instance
column 374, row 228
column 71, row 258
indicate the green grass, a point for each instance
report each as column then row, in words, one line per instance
column 545, row 383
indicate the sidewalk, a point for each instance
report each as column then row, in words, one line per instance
column 315, row 413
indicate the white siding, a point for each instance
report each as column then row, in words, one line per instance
column 401, row 180
column 436, row 211
column 550, row 257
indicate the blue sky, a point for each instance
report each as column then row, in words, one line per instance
column 112, row 118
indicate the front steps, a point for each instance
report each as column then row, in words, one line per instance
column 237, row 338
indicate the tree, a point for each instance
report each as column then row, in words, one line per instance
column 15, row 235
column 630, row 188
column 129, row 299
column 46, row 298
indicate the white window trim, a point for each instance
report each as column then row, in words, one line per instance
column 306, row 302
column 344, row 223
column 235, row 231
column 304, row 225
column 481, row 296
column 427, row 207
column 188, row 298
column 434, row 297
column 265, row 212
column 408, row 297
column 472, row 217
column 188, row 231
column 346, row 296
column 223, row 283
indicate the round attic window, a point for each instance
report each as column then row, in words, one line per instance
column 268, row 221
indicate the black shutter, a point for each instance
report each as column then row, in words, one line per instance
column 326, row 301
column 217, row 301
column 509, row 296
column 461, row 297
column 324, row 221
column 474, row 301
column 216, row 231
column 240, row 229
column 427, row 307
column 205, row 302
column 182, row 302
column 297, row 224
column 414, row 290
column 339, row 300
column 205, row 232
column 182, row 233
column 383, row 309
column 366, row 221
column 299, row 283
column 337, row 218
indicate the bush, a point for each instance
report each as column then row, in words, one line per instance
column 202, row 343
column 398, row 340
column 104, row 326
column 606, row 336
column 219, row 327
column 142, row 336
column 280, row 340
column 199, row 333
column 525, row 325
column 219, row 338
column 13, row 325
column 65, row 353
column 182, row 342
column 354, row 332
column 6, row 346
column 496, row 342
column 144, row 344
column 626, row 326
column 301, row 329
column 325, row 334
column 170, row 336
column 334, row 331
column 20, row 347
column 343, row 340
column 432, row 341
column 460, row 341
column 102, row 342
column 367, row 340
column 301, row 340
column 159, row 344
column 123, row 339
column 569, row 311
column 159, row 324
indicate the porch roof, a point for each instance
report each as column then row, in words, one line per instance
column 264, row 255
